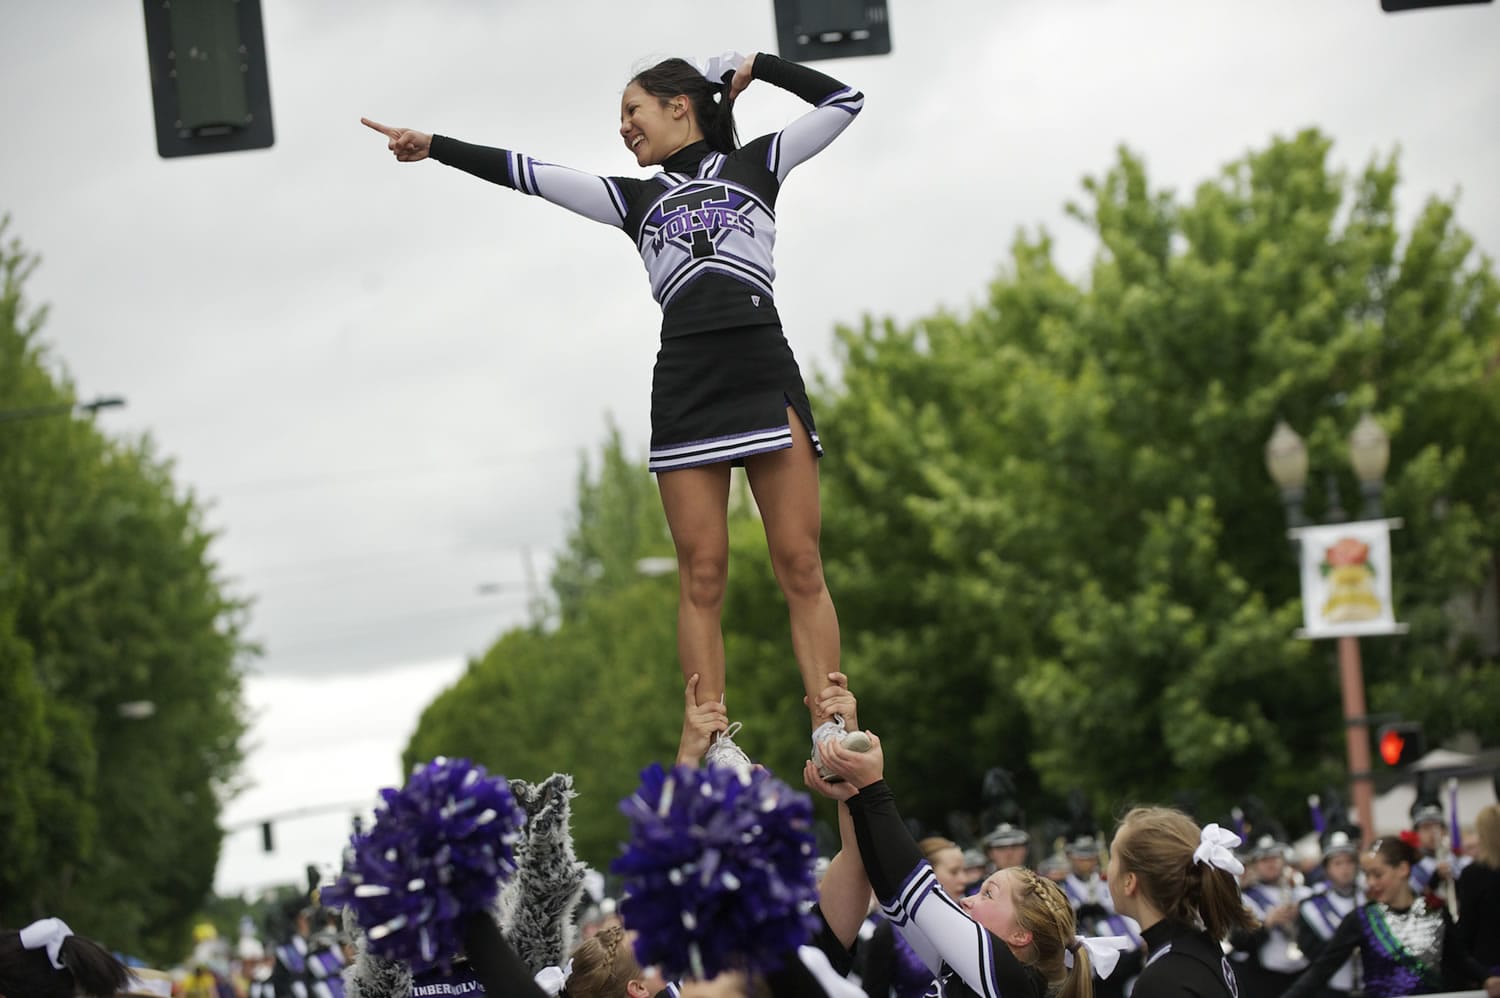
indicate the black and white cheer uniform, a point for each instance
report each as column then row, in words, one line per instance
column 1183, row 962
column 705, row 227
column 965, row 959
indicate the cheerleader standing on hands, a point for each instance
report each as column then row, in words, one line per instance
column 726, row 389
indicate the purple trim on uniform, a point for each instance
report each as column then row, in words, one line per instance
column 838, row 95
column 722, row 254
column 531, row 174
column 1386, row 972
column 720, row 458
column 292, row 958
column 745, row 435
column 1261, row 895
column 705, row 267
column 1327, row 914
column 615, row 196
column 909, row 893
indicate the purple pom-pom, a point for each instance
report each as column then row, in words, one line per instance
column 718, row 873
column 438, row 851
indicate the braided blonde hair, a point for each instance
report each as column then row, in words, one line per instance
column 1043, row 910
column 602, row 966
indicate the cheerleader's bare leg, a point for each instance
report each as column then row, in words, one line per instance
column 696, row 501
column 785, row 484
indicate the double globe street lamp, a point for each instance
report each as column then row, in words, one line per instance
column 1369, row 454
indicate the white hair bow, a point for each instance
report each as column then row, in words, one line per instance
column 1215, row 848
column 715, row 66
column 1104, row 951
column 553, row 979
column 49, row 932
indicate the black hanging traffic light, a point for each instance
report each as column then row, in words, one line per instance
column 1391, row 6
column 1401, row 743
column 267, row 843
column 209, row 83
column 832, row 29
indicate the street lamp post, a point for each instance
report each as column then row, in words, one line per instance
column 1369, row 453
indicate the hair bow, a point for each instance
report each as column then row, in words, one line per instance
column 715, row 66
column 553, row 979
column 1214, row 848
column 1104, row 951
column 49, row 932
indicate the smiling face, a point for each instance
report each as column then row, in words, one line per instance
column 994, row 907
column 1384, row 882
column 653, row 128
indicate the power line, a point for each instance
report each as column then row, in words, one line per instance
column 300, row 812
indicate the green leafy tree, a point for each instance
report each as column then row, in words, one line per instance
column 107, row 595
column 1052, row 518
column 1048, row 529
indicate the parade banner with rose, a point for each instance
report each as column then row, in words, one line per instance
column 1346, row 579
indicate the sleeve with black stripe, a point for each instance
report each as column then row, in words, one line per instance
column 933, row 924
column 834, row 107
column 602, row 199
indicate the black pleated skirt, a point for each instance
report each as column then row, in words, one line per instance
column 722, row 396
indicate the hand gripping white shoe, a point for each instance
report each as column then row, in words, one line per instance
column 722, row 751
column 854, row 741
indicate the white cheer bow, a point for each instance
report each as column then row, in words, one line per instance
column 49, row 933
column 1104, row 952
column 1215, row 848
column 553, row 979
column 715, row 66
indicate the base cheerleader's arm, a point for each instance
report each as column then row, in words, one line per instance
column 844, row 891
column 933, row 924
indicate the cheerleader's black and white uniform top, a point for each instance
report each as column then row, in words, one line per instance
column 966, row 960
column 705, row 227
column 1184, row 962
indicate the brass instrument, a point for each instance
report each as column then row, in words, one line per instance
column 1288, row 897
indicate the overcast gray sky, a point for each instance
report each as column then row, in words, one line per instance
column 381, row 376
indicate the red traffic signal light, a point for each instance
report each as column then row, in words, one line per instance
column 1392, row 745
column 1401, row 744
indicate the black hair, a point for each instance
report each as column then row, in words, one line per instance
column 712, row 108
column 88, row 969
column 1394, row 851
